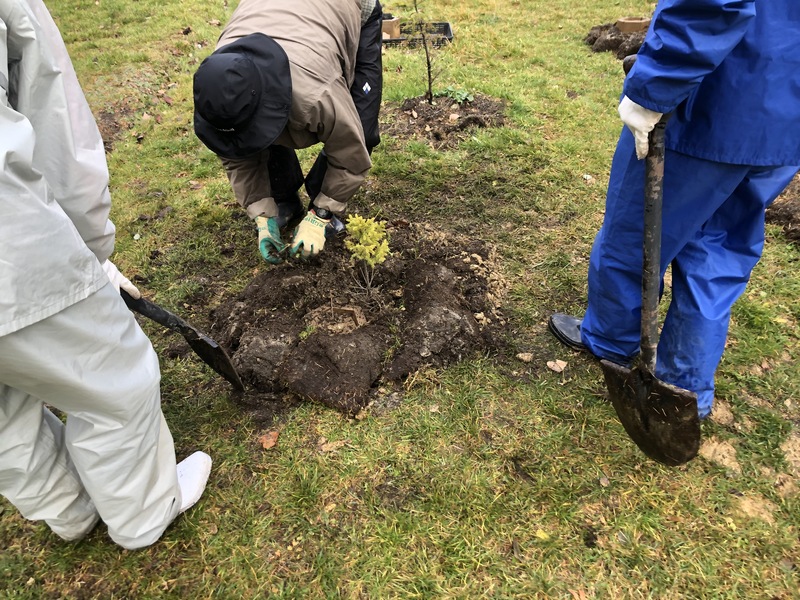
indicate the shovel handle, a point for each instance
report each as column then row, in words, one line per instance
column 651, row 247
column 161, row 316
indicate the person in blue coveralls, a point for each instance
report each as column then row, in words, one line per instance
column 728, row 71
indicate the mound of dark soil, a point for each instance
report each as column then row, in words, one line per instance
column 607, row 38
column 785, row 211
column 443, row 123
column 112, row 122
column 311, row 328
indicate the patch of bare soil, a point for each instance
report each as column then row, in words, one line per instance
column 785, row 211
column 607, row 38
column 721, row 413
column 791, row 451
column 312, row 330
column 112, row 122
column 756, row 507
column 785, row 485
column 444, row 123
column 721, row 453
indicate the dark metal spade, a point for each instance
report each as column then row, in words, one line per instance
column 660, row 418
column 207, row 349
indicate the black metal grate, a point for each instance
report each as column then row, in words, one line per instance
column 438, row 33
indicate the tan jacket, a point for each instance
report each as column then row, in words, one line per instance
column 320, row 38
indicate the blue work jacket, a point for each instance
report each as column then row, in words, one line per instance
column 729, row 70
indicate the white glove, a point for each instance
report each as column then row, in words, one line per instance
column 641, row 121
column 119, row 280
column 309, row 237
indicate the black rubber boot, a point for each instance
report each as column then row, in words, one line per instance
column 567, row 330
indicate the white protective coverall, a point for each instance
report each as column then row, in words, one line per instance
column 66, row 337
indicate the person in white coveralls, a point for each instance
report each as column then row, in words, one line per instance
column 67, row 339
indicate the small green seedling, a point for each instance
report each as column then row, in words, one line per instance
column 368, row 244
column 306, row 333
column 457, row 95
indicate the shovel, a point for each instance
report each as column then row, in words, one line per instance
column 660, row 418
column 207, row 349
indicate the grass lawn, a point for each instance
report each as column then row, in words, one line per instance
column 495, row 478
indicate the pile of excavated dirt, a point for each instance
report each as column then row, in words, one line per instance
column 312, row 328
column 608, row 38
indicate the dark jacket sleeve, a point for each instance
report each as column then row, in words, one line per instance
column 368, row 83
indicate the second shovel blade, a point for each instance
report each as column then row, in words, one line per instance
column 660, row 418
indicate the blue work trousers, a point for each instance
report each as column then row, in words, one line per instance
column 713, row 236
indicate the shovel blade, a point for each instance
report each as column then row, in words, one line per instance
column 207, row 349
column 660, row 418
column 215, row 357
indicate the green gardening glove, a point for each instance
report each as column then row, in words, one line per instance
column 269, row 239
column 309, row 237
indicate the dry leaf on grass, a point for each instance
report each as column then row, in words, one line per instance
column 269, row 439
column 331, row 446
column 556, row 365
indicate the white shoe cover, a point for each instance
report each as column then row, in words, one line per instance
column 193, row 472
